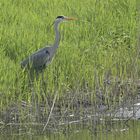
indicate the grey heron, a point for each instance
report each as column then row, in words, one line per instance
column 41, row 58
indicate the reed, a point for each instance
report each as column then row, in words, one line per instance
column 100, row 46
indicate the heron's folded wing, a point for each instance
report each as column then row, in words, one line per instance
column 37, row 59
column 40, row 58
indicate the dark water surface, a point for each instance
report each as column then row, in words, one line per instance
column 121, row 122
column 131, row 131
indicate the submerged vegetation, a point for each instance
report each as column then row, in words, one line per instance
column 98, row 54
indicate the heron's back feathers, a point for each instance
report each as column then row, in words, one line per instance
column 39, row 60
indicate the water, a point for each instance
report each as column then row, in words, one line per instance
column 119, row 131
column 86, row 123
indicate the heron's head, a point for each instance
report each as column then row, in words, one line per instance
column 64, row 18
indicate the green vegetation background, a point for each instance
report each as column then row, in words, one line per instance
column 103, row 41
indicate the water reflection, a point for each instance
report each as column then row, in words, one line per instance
column 132, row 132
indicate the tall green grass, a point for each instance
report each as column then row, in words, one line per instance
column 101, row 43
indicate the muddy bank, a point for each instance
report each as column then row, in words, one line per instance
column 77, row 109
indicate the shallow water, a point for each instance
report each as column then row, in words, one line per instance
column 119, row 131
column 82, row 123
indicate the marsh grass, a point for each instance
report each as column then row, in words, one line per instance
column 98, row 54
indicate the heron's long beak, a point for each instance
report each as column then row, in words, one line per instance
column 70, row 18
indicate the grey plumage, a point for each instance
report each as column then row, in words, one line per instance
column 41, row 58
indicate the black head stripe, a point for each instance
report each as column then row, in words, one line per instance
column 61, row 17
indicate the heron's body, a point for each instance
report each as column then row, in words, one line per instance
column 41, row 58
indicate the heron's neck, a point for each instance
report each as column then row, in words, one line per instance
column 57, row 35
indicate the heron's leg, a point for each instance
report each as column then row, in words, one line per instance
column 35, row 96
column 43, row 82
column 30, row 78
column 37, row 75
column 45, row 98
column 24, row 82
column 42, row 77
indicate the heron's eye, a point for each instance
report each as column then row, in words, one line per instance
column 60, row 17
